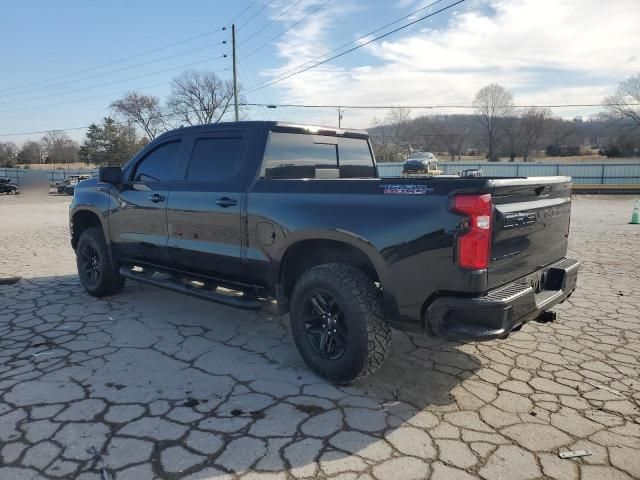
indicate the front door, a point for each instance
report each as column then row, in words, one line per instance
column 138, row 220
column 204, row 207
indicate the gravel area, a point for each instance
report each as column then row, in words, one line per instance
column 151, row 384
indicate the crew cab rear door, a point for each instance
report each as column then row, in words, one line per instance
column 205, row 205
column 530, row 226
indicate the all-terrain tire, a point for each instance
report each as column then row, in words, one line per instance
column 107, row 281
column 368, row 332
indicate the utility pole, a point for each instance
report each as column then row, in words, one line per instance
column 340, row 117
column 235, row 75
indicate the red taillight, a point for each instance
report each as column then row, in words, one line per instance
column 474, row 242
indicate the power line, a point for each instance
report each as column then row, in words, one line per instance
column 245, row 40
column 350, row 107
column 357, row 39
column 86, row 99
column 131, row 57
column 297, row 22
column 240, row 14
column 418, row 107
column 256, row 14
column 124, row 122
column 115, row 71
column 373, row 134
column 66, row 75
column 42, row 131
column 116, row 81
column 361, row 45
column 119, row 69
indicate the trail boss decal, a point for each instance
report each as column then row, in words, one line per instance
column 404, row 189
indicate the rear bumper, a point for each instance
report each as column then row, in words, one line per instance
column 496, row 314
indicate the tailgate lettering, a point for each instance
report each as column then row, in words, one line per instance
column 519, row 219
column 405, row 189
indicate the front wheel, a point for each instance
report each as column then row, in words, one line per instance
column 97, row 274
column 337, row 322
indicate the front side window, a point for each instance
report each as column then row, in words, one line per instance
column 292, row 155
column 159, row 165
column 214, row 159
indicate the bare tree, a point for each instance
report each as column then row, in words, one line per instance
column 560, row 132
column 199, row 97
column 512, row 133
column 455, row 142
column 625, row 102
column 450, row 136
column 8, row 154
column 493, row 104
column 384, row 144
column 398, row 119
column 533, row 121
column 143, row 111
column 59, row 148
column 31, row 152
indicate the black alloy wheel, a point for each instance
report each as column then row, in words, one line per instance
column 98, row 275
column 325, row 325
column 337, row 322
column 89, row 260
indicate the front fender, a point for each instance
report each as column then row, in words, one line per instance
column 96, row 201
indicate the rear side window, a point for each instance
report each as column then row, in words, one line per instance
column 159, row 165
column 291, row 155
column 214, row 159
column 355, row 158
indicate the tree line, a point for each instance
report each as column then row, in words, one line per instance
column 196, row 97
column 496, row 128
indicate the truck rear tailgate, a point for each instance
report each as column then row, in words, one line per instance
column 530, row 226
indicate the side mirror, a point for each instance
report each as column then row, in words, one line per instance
column 112, row 175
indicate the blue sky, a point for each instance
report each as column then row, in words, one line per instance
column 544, row 51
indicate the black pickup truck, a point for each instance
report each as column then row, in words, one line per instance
column 249, row 213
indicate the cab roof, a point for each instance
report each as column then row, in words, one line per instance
column 274, row 126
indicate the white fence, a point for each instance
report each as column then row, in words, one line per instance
column 585, row 173
column 22, row 176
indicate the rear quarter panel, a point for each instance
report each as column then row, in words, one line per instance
column 408, row 238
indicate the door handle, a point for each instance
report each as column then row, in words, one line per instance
column 226, row 202
column 156, row 197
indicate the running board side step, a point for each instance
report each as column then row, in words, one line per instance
column 237, row 302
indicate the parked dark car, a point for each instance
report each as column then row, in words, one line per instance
column 71, row 180
column 272, row 210
column 421, row 163
column 7, row 187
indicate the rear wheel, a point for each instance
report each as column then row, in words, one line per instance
column 337, row 322
column 97, row 274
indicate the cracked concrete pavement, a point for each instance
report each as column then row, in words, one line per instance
column 151, row 384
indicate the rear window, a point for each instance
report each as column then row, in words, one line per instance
column 291, row 155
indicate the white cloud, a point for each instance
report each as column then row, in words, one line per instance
column 546, row 51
